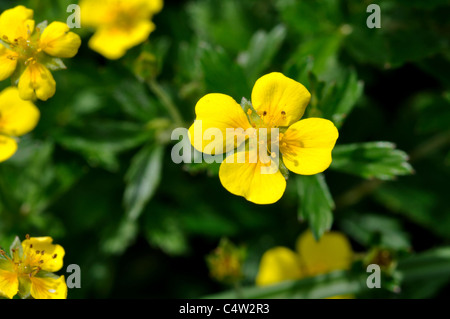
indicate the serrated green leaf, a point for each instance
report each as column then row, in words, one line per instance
column 371, row 160
column 316, row 203
column 335, row 100
column 263, row 48
column 142, row 179
column 376, row 230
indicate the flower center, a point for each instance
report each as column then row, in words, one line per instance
column 26, row 50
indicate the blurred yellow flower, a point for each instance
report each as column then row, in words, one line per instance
column 17, row 118
column 278, row 102
column 27, row 52
column 332, row 252
column 120, row 24
column 30, row 271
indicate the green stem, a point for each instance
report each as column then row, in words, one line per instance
column 166, row 102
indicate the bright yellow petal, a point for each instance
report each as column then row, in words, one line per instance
column 8, row 147
column 250, row 178
column 8, row 62
column 278, row 264
column 280, row 100
column 9, row 284
column 48, row 288
column 332, row 252
column 217, row 112
column 58, row 41
column 36, row 82
column 16, row 23
column 96, row 12
column 17, row 117
column 53, row 254
column 113, row 41
column 155, row 6
column 306, row 146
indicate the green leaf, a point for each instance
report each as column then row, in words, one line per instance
column 166, row 232
column 100, row 141
column 336, row 99
column 316, row 203
column 371, row 160
column 376, row 230
column 262, row 49
column 120, row 237
column 135, row 100
column 221, row 73
column 142, row 179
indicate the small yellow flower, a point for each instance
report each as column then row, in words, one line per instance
column 17, row 118
column 332, row 252
column 120, row 24
column 30, row 272
column 27, row 52
column 278, row 102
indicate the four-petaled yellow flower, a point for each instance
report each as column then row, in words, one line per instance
column 120, row 24
column 332, row 252
column 278, row 102
column 17, row 118
column 27, row 52
column 31, row 271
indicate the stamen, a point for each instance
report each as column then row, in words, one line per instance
column 37, row 252
column 43, row 252
column 27, row 236
column 54, row 256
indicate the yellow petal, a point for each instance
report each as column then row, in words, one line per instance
column 250, row 178
column 96, row 12
column 53, row 254
column 15, row 23
column 48, row 288
column 58, row 41
column 280, row 100
column 155, row 6
column 332, row 252
column 8, row 147
column 17, row 117
column 218, row 112
column 9, row 284
column 306, row 146
column 113, row 41
column 8, row 62
column 278, row 264
column 36, row 82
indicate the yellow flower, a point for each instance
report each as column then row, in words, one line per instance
column 332, row 252
column 278, row 102
column 27, row 52
column 120, row 24
column 17, row 118
column 30, row 271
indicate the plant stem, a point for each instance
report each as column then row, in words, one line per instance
column 166, row 101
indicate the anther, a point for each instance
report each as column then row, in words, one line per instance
column 264, row 113
column 43, row 252
column 31, row 246
column 37, row 252
column 27, row 236
column 54, row 256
